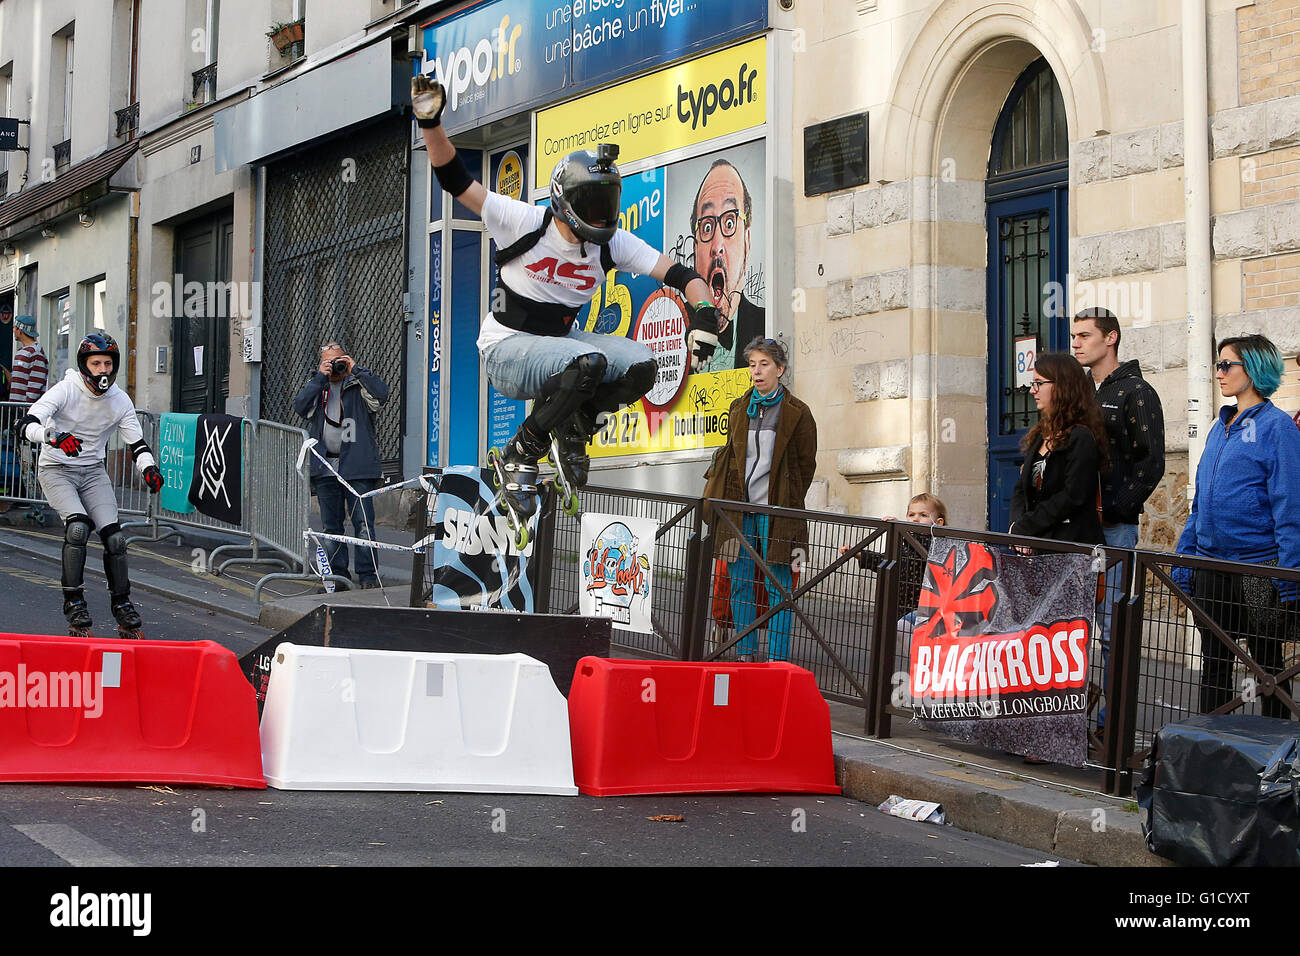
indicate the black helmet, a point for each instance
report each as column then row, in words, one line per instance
column 585, row 189
column 98, row 343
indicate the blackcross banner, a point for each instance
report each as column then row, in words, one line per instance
column 999, row 654
column 216, row 489
column 476, row 565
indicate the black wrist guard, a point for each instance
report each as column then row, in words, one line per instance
column 680, row 276
column 704, row 318
column 453, row 176
column 429, row 123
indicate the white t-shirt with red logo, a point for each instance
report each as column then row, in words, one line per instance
column 553, row 270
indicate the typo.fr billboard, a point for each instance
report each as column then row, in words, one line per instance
column 499, row 58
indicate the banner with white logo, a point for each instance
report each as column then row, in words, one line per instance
column 616, row 566
column 476, row 565
column 216, row 488
column 999, row 654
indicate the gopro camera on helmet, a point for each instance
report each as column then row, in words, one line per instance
column 606, row 154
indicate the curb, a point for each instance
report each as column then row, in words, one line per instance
column 1092, row 829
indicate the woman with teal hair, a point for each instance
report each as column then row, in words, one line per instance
column 1246, row 508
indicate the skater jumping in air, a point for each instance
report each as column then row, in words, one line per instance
column 72, row 423
column 550, row 262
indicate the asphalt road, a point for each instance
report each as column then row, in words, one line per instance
column 56, row 825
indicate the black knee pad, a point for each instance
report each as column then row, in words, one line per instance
column 636, row 381
column 114, row 540
column 565, row 391
column 119, row 585
column 76, row 530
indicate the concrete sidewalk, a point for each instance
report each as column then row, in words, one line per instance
column 1056, row 810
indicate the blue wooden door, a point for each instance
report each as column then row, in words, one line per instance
column 1026, row 286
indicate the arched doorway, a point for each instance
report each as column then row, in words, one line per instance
column 1026, row 193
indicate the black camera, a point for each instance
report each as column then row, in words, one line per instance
column 339, row 367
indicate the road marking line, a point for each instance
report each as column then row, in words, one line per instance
column 71, row 845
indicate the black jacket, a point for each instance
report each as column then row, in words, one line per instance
column 363, row 393
column 1135, row 426
column 1065, row 508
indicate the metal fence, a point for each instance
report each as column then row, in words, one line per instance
column 832, row 593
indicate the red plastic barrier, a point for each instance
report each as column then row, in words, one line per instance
column 79, row 710
column 651, row 727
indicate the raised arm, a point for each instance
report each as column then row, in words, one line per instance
column 428, row 98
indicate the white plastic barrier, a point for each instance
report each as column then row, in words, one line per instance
column 340, row 719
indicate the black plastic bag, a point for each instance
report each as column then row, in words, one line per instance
column 1224, row 791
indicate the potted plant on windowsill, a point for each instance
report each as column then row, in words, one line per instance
column 284, row 35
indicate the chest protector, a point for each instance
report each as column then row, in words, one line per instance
column 523, row 314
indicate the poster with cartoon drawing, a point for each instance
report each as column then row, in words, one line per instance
column 616, row 567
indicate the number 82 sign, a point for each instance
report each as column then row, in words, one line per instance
column 1026, row 352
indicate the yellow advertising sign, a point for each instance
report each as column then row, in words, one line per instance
column 685, row 104
column 697, row 419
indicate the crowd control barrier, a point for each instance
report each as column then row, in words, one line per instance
column 338, row 719
column 126, row 711
column 1180, row 640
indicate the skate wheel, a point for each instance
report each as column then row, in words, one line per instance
column 521, row 537
column 570, row 505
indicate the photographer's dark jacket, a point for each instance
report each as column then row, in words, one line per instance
column 363, row 393
column 1135, row 427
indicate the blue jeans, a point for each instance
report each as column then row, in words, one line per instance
column 1117, row 536
column 743, row 610
column 519, row 365
column 335, row 502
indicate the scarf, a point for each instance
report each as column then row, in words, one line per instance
column 756, row 400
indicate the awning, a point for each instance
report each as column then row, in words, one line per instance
column 78, row 186
column 338, row 94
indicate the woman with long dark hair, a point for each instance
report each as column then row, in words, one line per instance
column 1065, row 453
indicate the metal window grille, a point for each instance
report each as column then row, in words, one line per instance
column 334, row 270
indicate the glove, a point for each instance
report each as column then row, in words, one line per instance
column 428, row 97
column 154, row 479
column 702, row 335
column 65, row 442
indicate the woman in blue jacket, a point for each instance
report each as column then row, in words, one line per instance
column 1246, row 508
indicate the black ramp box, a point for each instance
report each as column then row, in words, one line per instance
column 1224, row 790
column 557, row 640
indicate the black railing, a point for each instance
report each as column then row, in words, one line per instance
column 1187, row 636
column 62, row 153
column 128, row 120
column 4, row 185
column 205, row 84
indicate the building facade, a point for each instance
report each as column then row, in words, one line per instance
column 1028, row 159
column 206, row 173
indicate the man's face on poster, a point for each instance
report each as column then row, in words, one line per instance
column 722, row 237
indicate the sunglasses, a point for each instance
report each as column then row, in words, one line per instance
column 1226, row 367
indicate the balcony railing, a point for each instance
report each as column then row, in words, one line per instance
column 4, row 185
column 62, row 153
column 205, row 84
column 128, row 120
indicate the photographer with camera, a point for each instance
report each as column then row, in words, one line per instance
column 339, row 403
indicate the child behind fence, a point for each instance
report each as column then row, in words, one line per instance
column 926, row 509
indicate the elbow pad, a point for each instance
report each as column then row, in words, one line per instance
column 30, row 428
column 142, row 455
column 453, row 176
column 680, row 276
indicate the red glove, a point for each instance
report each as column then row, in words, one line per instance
column 154, row 479
column 67, row 443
